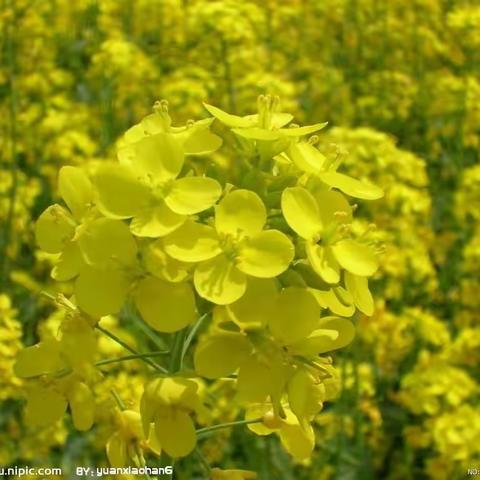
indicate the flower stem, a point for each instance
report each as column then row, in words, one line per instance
column 191, row 334
column 153, row 364
column 119, row 401
column 108, row 361
column 203, row 461
column 220, row 426
column 176, row 360
column 139, row 356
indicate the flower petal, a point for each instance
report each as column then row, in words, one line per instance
column 253, row 380
column 297, row 440
column 228, row 119
column 334, row 333
column 296, row 315
column 351, row 186
column 330, row 203
column 159, row 155
column 258, row 410
column 240, row 211
column 69, row 263
column 358, row 288
column 192, row 242
column 78, row 343
column 175, row 432
column 54, row 229
column 117, row 451
column 45, row 406
column 256, row 306
column 280, row 119
column 221, row 354
column 39, row 359
column 100, row 292
column 191, row 195
column 219, row 281
column 301, row 212
column 266, row 254
column 305, row 395
column 175, row 391
column 163, row 266
column 336, row 304
column 106, row 242
column 156, row 221
column 324, row 262
column 166, row 307
column 76, row 189
column 355, row 257
column 121, row 194
column 82, row 406
column 301, row 131
column 200, row 141
column 258, row 133
column 306, row 157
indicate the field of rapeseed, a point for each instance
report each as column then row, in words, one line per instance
column 240, row 238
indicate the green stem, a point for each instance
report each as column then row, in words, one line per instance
column 221, row 426
column 155, row 365
column 176, row 360
column 101, row 363
column 139, row 356
column 192, row 333
column 203, row 461
column 119, row 401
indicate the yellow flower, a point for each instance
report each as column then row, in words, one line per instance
column 237, row 247
column 128, row 440
column 168, row 403
column 63, row 370
column 317, row 219
column 57, row 228
column 298, row 440
column 47, row 402
column 147, row 185
column 267, row 125
column 277, row 351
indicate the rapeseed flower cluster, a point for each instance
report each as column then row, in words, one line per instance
column 153, row 232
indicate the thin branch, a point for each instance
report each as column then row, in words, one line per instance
column 153, row 364
column 220, row 426
column 192, row 333
column 139, row 356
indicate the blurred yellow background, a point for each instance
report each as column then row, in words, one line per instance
column 399, row 83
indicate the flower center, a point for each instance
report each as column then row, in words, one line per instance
column 229, row 245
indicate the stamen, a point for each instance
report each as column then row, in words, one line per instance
column 160, row 106
column 345, row 229
column 340, row 215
